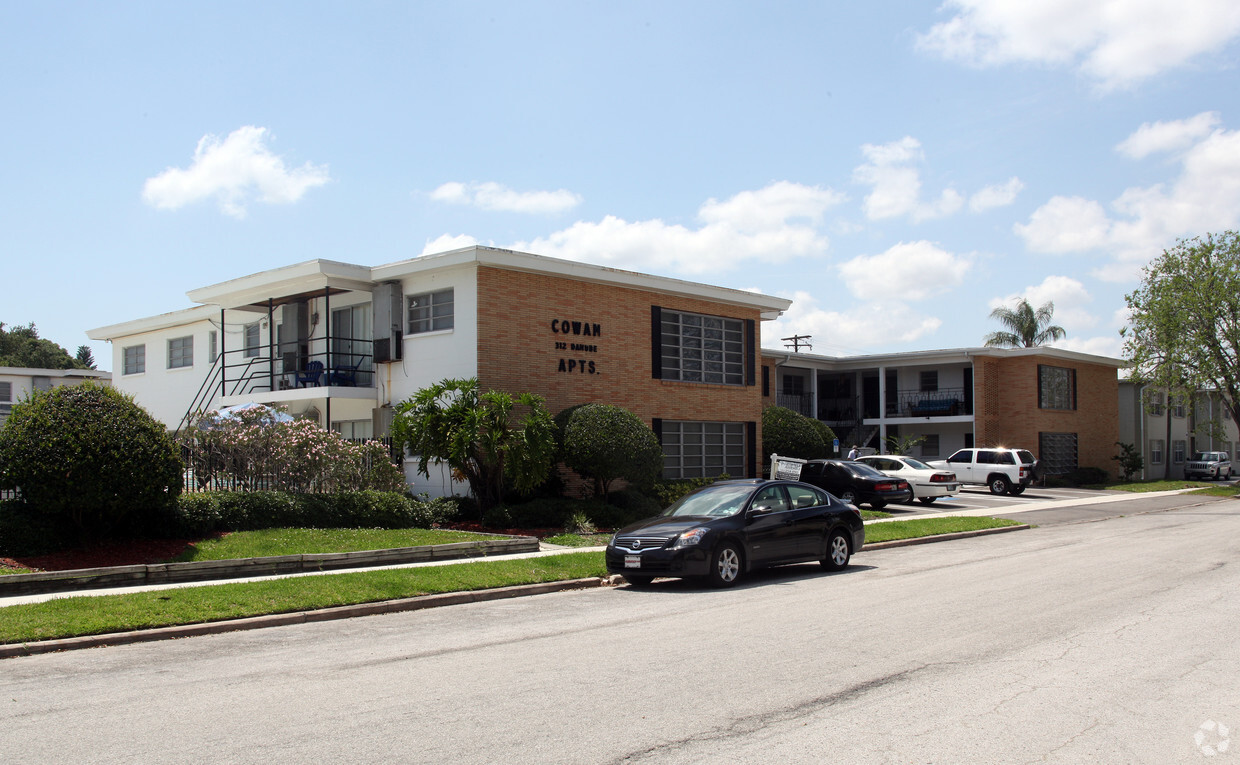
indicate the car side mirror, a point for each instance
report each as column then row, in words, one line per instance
column 759, row 509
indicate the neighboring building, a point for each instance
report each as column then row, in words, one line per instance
column 16, row 383
column 1167, row 435
column 342, row 344
column 1061, row 405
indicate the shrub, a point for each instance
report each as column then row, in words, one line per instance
column 606, row 443
column 90, row 456
column 791, row 434
column 23, row 532
column 208, row 512
column 1130, row 461
column 623, row 508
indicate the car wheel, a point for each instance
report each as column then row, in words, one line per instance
column 838, row 552
column 926, row 500
column 725, row 566
column 638, row 581
column 1016, row 491
column 999, row 485
column 849, row 496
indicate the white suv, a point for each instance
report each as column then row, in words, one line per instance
column 1005, row 471
column 1213, row 466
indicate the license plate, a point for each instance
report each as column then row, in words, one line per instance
column 632, row 561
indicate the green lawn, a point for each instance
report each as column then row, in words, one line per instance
column 271, row 542
column 925, row 527
column 66, row 617
column 1145, row 486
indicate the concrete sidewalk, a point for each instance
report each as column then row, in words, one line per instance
column 1101, row 499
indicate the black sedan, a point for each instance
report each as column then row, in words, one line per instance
column 730, row 527
column 856, row 482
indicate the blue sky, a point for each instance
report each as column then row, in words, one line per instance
column 898, row 169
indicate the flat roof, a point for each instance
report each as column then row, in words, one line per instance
column 947, row 355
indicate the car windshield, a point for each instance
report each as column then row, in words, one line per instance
column 916, row 464
column 717, row 500
column 864, row 469
column 1207, row 456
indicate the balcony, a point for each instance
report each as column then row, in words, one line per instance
column 944, row 402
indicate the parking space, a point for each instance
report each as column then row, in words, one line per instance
column 979, row 498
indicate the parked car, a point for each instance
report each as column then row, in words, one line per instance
column 1212, row 466
column 928, row 483
column 1005, row 471
column 730, row 527
column 856, row 482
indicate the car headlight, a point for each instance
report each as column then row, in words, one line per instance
column 612, row 542
column 690, row 538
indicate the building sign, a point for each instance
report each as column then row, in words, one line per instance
column 786, row 468
column 577, row 345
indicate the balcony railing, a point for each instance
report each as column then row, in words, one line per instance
column 801, row 403
column 257, row 369
column 944, row 402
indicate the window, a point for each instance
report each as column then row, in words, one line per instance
column 700, row 449
column 354, row 430
column 794, row 386
column 1178, row 448
column 181, row 352
column 930, row 381
column 250, row 343
column 133, row 359
column 1057, row 453
column 1176, row 404
column 6, row 392
column 431, row 311
column 1154, row 403
column 1056, row 387
column 697, row 348
column 930, row 445
column 1156, row 451
column 351, row 338
column 213, row 346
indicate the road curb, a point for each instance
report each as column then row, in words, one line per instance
column 943, row 537
column 300, row 617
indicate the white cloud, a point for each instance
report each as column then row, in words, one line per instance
column 1204, row 197
column 233, row 171
column 1069, row 296
column 1115, row 43
column 447, row 243
column 1105, row 345
column 910, row 271
column 772, row 224
column 892, row 173
column 1168, row 136
column 850, row 331
column 493, row 196
column 999, row 195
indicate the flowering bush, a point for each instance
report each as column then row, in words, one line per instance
column 259, row 449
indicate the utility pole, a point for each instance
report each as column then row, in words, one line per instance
column 796, row 341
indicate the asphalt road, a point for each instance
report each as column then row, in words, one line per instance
column 1113, row 641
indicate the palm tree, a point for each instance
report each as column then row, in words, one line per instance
column 1028, row 327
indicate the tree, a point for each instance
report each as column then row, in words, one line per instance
column 479, row 434
column 606, row 443
column 1183, row 332
column 89, row 455
column 904, row 444
column 85, row 357
column 1027, row 328
column 22, row 347
column 789, row 433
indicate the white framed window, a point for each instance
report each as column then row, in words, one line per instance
column 213, row 346
column 1178, row 449
column 431, row 311
column 181, row 352
column 698, row 348
column 1156, row 451
column 250, row 341
column 700, row 449
column 133, row 359
column 354, row 430
column 6, row 392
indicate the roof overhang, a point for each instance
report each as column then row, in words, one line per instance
column 289, row 284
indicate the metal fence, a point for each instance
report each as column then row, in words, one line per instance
column 209, row 468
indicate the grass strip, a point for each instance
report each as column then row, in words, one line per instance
column 1147, row 486
column 75, row 616
column 926, row 527
column 294, row 541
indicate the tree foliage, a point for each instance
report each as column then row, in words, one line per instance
column 91, row 456
column 490, row 437
column 21, row 346
column 606, row 443
column 1026, row 328
column 1184, row 320
column 789, row 433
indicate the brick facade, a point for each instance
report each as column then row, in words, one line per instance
column 576, row 342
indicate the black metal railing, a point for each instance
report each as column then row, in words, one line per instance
column 944, row 402
column 797, row 402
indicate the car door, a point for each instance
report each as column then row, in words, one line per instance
column 769, row 533
column 810, row 520
column 962, row 463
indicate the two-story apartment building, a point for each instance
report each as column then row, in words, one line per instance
column 16, row 383
column 342, row 344
column 1166, row 430
column 1061, row 405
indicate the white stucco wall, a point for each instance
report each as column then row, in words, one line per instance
column 165, row 393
